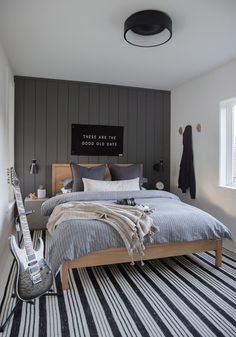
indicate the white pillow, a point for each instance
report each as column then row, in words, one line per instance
column 91, row 185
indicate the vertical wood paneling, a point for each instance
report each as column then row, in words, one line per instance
column 113, row 113
column 104, row 114
column 158, row 121
column 123, row 113
column 51, row 128
column 84, row 112
column 159, row 131
column 73, row 117
column 132, row 126
column 40, row 130
column 150, row 132
column 94, row 113
column 114, row 106
column 141, row 128
column 29, row 134
column 45, row 110
column 166, row 139
column 19, row 129
column 62, row 122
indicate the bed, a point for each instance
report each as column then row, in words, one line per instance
column 182, row 233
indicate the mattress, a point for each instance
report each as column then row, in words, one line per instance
column 177, row 221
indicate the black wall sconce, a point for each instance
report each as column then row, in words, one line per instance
column 159, row 166
column 34, row 167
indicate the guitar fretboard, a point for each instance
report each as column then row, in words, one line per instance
column 24, row 223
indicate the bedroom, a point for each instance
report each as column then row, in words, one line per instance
column 68, row 63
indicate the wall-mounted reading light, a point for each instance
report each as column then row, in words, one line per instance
column 159, row 166
column 34, row 167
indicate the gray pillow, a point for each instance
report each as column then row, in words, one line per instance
column 79, row 172
column 67, row 184
column 124, row 172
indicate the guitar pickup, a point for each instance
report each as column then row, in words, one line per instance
column 30, row 264
column 31, row 257
column 34, row 269
column 36, row 279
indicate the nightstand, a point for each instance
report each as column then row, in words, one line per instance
column 35, row 220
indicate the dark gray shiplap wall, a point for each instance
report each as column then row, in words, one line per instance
column 45, row 110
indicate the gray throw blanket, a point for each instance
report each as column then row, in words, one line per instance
column 132, row 223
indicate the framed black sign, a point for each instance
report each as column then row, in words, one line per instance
column 97, row 140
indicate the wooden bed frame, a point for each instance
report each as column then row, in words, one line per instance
column 119, row 255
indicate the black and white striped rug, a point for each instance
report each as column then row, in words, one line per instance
column 173, row 297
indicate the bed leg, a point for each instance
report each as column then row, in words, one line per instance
column 218, row 256
column 64, row 276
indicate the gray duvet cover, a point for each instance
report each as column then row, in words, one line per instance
column 178, row 222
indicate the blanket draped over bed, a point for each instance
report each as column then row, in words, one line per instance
column 132, row 223
column 178, row 222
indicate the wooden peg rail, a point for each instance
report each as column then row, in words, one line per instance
column 198, row 128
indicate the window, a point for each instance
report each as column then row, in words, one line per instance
column 9, row 130
column 228, row 143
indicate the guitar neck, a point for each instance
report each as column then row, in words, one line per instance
column 24, row 223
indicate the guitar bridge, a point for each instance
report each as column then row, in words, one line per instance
column 34, row 271
column 36, row 278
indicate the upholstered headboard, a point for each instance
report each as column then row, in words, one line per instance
column 62, row 171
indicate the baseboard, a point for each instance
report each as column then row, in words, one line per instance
column 6, row 256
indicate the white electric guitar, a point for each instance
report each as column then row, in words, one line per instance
column 34, row 276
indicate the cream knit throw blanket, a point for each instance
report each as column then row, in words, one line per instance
column 132, row 223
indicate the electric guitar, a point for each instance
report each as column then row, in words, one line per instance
column 34, row 276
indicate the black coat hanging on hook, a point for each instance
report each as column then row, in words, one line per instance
column 186, row 172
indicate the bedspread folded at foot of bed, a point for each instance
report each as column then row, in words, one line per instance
column 132, row 223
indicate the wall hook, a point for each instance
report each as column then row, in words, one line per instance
column 199, row 127
column 180, row 130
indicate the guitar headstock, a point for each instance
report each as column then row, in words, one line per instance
column 12, row 177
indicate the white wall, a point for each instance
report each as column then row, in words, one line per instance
column 6, row 158
column 195, row 102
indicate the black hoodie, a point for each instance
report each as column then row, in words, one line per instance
column 186, row 172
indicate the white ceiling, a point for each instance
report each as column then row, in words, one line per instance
column 83, row 40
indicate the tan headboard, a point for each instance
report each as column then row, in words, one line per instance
column 62, row 171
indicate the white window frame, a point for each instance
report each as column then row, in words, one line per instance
column 226, row 142
column 10, row 106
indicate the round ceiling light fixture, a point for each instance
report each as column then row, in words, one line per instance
column 149, row 28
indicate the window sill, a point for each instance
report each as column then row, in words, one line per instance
column 228, row 187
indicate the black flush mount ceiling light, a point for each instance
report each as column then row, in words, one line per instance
column 149, row 28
